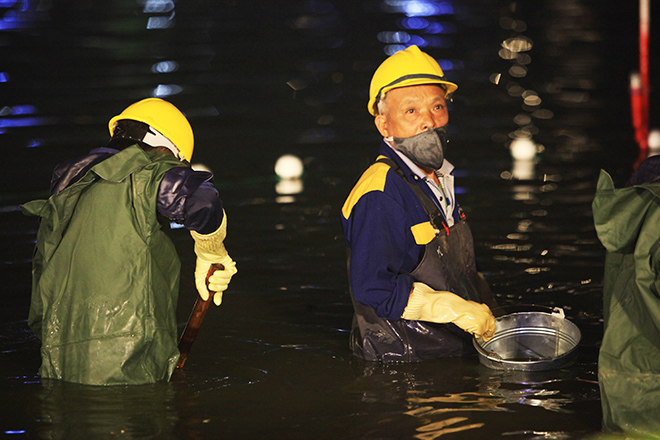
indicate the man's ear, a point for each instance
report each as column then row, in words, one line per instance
column 381, row 125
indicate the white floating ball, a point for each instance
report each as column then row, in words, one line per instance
column 654, row 139
column 289, row 167
column 523, row 149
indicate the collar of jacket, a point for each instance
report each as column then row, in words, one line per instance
column 119, row 166
column 387, row 151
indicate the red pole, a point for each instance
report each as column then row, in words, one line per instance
column 639, row 84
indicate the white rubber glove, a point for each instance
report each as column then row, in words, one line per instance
column 210, row 249
column 426, row 304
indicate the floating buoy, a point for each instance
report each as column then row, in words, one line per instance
column 523, row 149
column 289, row 166
column 654, row 142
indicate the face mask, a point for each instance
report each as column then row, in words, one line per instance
column 425, row 149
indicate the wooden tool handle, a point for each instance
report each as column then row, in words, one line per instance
column 195, row 320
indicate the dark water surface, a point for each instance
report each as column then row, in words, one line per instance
column 259, row 79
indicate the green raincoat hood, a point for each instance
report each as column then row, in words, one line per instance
column 618, row 213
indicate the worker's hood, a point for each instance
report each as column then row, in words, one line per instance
column 620, row 213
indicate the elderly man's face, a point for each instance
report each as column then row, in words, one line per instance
column 412, row 110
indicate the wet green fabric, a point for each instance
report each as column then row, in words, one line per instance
column 627, row 221
column 105, row 276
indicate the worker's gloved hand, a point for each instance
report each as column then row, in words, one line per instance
column 218, row 282
column 210, row 249
column 426, row 304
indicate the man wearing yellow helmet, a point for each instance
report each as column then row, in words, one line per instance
column 106, row 277
column 413, row 279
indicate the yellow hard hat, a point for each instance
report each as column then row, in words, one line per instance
column 164, row 117
column 410, row 67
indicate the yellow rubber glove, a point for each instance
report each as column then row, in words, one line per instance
column 426, row 304
column 210, row 249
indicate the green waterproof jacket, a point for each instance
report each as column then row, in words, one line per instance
column 627, row 221
column 106, row 277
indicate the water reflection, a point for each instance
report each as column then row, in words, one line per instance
column 418, row 8
column 21, row 116
column 165, row 67
column 72, row 411
column 437, row 429
column 420, row 27
column 455, row 395
column 162, row 14
column 16, row 14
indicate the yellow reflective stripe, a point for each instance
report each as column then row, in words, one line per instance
column 423, row 233
column 372, row 180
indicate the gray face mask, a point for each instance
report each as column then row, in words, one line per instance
column 425, row 149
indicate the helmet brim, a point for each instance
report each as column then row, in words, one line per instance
column 450, row 88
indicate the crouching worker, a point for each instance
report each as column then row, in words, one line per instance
column 415, row 287
column 105, row 276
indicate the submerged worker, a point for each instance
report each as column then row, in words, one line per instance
column 415, row 287
column 105, row 275
column 627, row 222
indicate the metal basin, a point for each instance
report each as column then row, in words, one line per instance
column 530, row 341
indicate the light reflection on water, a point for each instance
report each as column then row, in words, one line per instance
column 265, row 79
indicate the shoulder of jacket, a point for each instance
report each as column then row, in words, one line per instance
column 373, row 179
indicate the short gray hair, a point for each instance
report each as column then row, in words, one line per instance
column 381, row 105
